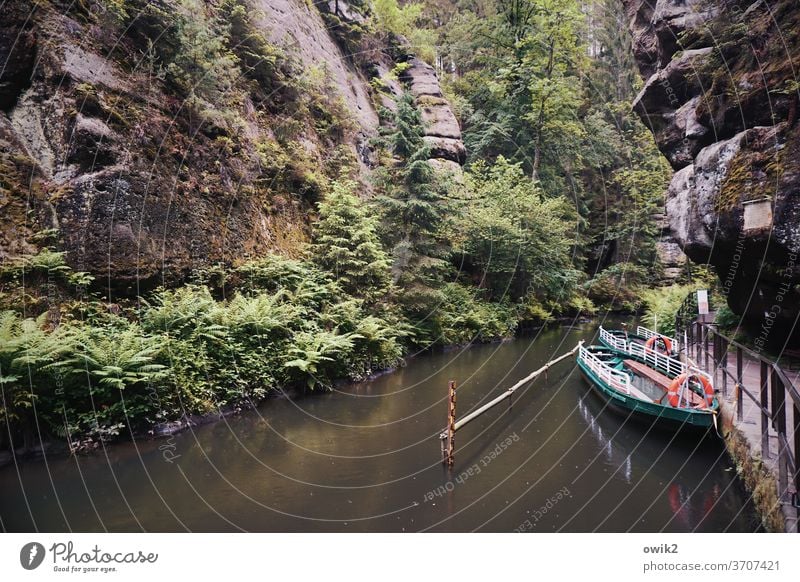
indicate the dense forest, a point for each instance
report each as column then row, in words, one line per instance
column 555, row 213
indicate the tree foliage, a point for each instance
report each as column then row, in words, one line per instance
column 517, row 241
column 413, row 202
column 346, row 243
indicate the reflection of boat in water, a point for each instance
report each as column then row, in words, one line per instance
column 689, row 506
column 655, row 387
column 614, row 453
column 688, row 509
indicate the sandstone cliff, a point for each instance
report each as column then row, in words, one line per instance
column 97, row 143
column 720, row 96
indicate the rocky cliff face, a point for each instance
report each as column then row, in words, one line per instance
column 442, row 132
column 720, row 96
column 96, row 143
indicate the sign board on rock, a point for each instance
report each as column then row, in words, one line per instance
column 702, row 302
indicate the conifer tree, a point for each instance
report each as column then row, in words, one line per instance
column 413, row 205
column 347, row 245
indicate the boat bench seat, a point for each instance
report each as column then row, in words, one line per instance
column 658, row 379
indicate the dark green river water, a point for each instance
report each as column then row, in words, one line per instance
column 366, row 457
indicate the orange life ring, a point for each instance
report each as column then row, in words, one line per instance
column 708, row 389
column 675, row 385
column 650, row 344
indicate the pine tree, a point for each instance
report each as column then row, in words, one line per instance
column 347, row 245
column 414, row 207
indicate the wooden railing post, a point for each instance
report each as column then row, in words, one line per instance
column 779, row 423
column 724, row 364
column 765, row 420
column 698, row 348
column 796, row 418
column 715, row 355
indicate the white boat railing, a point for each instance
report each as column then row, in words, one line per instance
column 615, row 378
column 618, row 343
column 648, row 333
column 656, row 359
column 651, row 357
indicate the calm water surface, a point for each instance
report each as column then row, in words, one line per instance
column 366, row 457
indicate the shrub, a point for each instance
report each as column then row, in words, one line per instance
column 516, row 239
column 318, row 357
column 617, row 287
column 259, row 59
column 28, row 355
column 727, row 319
column 661, row 306
column 455, row 314
column 113, row 365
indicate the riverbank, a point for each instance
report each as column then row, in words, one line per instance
column 61, row 448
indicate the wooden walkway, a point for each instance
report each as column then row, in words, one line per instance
column 750, row 424
column 761, row 418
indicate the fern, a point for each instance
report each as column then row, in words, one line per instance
column 116, row 358
column 27, row 356
column 311, row 352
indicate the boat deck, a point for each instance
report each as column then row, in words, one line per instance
column 654, row 376
column 658, row 379
column 634, row 391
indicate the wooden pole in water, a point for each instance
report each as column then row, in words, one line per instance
column 450, row 445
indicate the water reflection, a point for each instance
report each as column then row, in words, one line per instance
column 615, row 455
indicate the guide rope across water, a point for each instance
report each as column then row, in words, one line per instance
column 447, row 436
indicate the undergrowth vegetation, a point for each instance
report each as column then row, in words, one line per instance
column 286, row 324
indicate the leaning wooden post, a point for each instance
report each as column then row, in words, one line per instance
column 451, row 424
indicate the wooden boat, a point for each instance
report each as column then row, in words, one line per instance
column 646, row 346
column 647, row 338
column 682, row 398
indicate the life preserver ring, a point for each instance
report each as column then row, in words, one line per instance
column 675, row 386
column 708, row 390
column 651, row 343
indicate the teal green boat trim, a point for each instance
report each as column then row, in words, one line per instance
column 681, row 417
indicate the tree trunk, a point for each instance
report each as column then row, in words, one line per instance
column 537, row 146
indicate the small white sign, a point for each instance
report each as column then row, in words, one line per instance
column 702, row 302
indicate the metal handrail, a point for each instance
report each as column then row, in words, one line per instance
column 790, row 387
column 770, row 399
column 787, row 384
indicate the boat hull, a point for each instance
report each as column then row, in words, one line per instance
column 649, row 412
